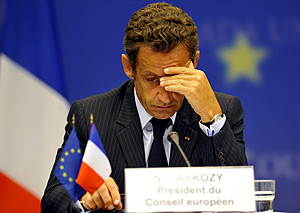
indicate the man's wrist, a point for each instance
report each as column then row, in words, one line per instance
column 214, row 120
column 214, row 126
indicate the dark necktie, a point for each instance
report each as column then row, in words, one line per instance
column 157, row 156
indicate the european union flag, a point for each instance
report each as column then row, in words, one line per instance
column 68, row 166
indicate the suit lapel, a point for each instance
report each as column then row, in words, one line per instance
column 187, row 126
column 130, row 135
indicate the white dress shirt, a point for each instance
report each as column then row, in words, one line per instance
column 146, row 125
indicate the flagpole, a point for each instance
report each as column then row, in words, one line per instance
column 73, row 119
column 91, row 119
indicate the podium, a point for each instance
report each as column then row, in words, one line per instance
column 190, row 189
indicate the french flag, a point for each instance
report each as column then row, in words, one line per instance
column 95, row 167
column 33, row 103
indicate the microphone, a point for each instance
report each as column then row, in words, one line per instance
column 173, row 137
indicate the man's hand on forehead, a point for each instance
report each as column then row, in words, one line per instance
column 176, row 75
column 194, row 85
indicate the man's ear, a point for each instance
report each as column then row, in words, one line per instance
column 127, row 67
column 195, row 62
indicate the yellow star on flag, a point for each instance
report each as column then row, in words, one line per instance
column 242, row 60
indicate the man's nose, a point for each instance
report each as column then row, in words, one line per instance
column 165, row 96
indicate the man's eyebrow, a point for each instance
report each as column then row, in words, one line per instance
column 147, row 73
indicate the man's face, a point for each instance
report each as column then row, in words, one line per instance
column 149, row 69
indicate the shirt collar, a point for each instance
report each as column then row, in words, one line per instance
column 145, row 117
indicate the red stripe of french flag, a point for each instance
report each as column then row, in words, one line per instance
column 95, row 167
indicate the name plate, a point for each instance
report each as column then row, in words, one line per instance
column 212, row 189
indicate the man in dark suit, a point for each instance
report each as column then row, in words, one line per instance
column 161, row 57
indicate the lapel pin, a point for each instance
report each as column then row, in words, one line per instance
column 186, row 138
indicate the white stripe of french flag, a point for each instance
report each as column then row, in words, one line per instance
column 95, row 167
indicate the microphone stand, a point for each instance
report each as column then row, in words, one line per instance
column 173, row 137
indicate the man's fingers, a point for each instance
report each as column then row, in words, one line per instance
column 114, row 191
column 119, row 206
column 190, row 70
column 178, row 70
column 104, row 193
column 98, row 200
column 178, row 89
column 108, row 195
column 87, row 202
column 174, row 81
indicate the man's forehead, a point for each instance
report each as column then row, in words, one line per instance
column 149, row 67
column 153, row 60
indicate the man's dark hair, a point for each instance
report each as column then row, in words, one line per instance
column 162, row 27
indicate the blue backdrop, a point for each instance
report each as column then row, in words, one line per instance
column 262, row 36
column 250, row 49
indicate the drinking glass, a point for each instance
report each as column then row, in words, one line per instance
column 264, row 195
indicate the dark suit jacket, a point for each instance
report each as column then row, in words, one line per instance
column 118, row 124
